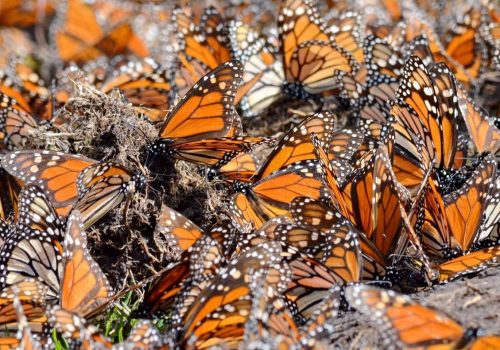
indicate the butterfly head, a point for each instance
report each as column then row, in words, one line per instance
column 212, row 173
column 295, row 90
column 161, row 147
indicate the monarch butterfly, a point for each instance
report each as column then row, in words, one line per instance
column 23, row 84
column 310, row 283
column 16, row 123
column 206, row 43
column 31, row 297
column 270, row 196
column 204, row 128
column 310, row 278
column 312, row 66
column 218, row 315
column 381, row 58
column 77, row 44
column 24, row 338
column 146, row 85
column 17, row 13
column 263, row 70
column 84, row 288
column 467, row 264
column 412, row 160
column 36, row 249
column 241, row 168
column 304, row 14
column 347, row 32
column 323, row 320
column 66, row 178
column 461, row 45
column 296, row 146
column 341, row 151
column 381, row 88
column 310, row 59
column 270, row 320
column 351, row 89
column 417, row 26
column 382, row 224
column 102, row 187
column 33, row 248
column 451, row 224
column 177, row 288
column 203, row 45
column 163, row 293
column 489, row 233
column 437, row 112
column 181, row 232
column 184, row 233
column 265, row 233
column 338, row 247
column 484, row 134
column 55, row 172
column 75, row 281
column 288, row 172
column 403, row 322
column 75, row 328
column 305, row 211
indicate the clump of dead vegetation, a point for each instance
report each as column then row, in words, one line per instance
column 125, row 242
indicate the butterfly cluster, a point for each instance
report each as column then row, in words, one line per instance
column 283, row 165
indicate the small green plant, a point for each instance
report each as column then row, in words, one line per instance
column 59, row 342
column 118, row 321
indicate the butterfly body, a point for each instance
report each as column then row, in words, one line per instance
column 295, row 90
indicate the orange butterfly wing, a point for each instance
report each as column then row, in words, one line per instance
column 313, row 65
column 54, row 172
column 23, row 13
column 148, row 91
column 182, row 231
column 16, row 123
column 347, row 32
column 108, row 185
column 84, row 287
column 240, row 168
column 9, row 197
column 218, row 315
column 471, row 262
column 464, row 208
column 81, row 38
column 484, row 133
column 403, row 322
column 298, row 22
column 206, row 111
column 244, row 214
column 485, row 343
column 296, row 145
column 417, row 90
